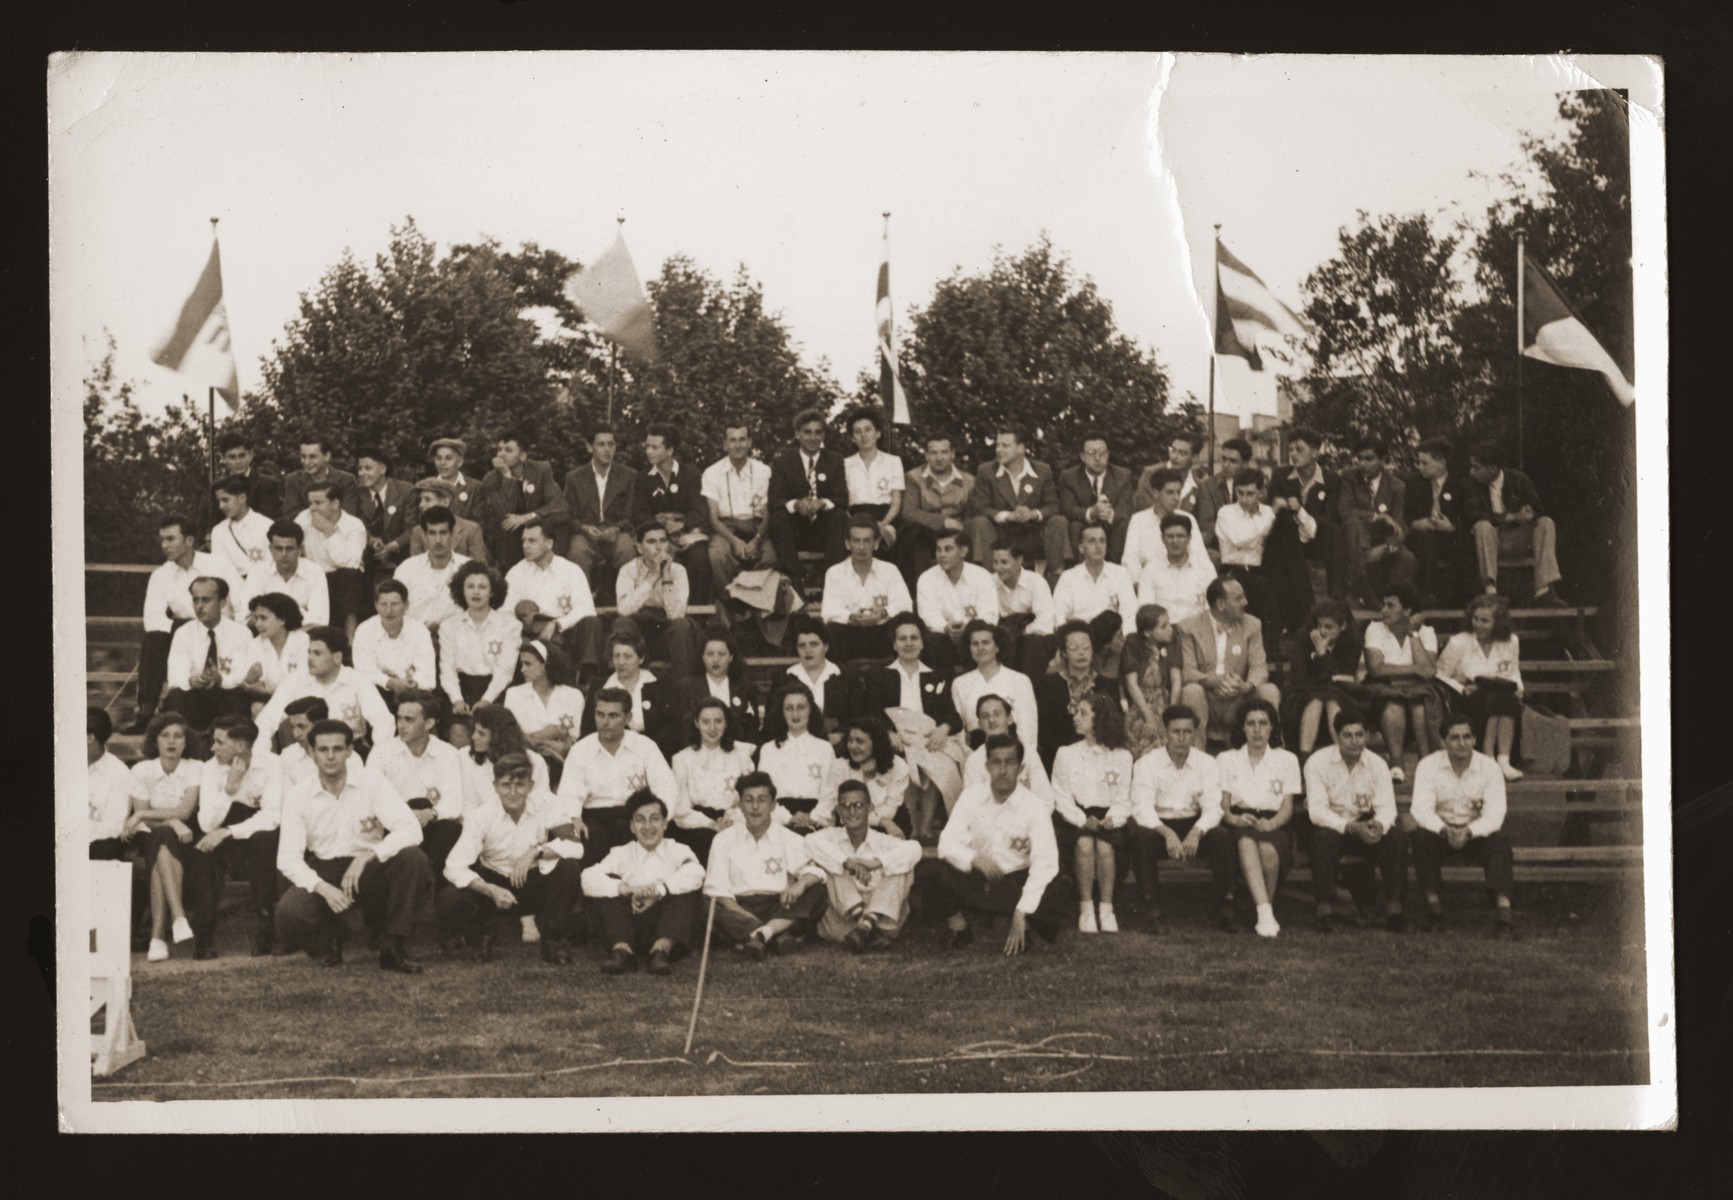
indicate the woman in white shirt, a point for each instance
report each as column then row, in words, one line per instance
column 164, row 791
column 991, row 678
column 795, row 760
column 494, row 733
column 704, row 775
column 993, row 715
column 1482, row 664
column 278, row 649
column 1092, row 794
column 1400, row 658
column 875, row 477
column 869, row 758
column 1259, row 782
column 478, row 646
column 549, row 713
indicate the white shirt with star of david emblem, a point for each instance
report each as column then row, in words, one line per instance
column 1086, row 776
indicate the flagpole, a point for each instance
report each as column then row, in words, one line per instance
column 1521, row 279
column 211, row 413
column 1215, row 310
column 613, row 346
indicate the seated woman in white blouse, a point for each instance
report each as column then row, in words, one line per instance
column 1092, row 793
column 1482, row 665
column 721, row 679
column 991, row 677
column 494, row 732
column 278, row 648
column 875, row 476
column 164, row 791
column 993, row 715
column 704, row 776
column 868, row 757
column 1259, row 782
column 795, row 760
column 548, row 712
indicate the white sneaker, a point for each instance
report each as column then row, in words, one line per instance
column 532, row 935
column 183, row 932
column 1266, row 926
column 1398, row 775
column 1086, row 920
column 158, row 951
column 1108, row 923
column 1511, row 773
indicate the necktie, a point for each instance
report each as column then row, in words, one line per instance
column 1437, row 488
column 211, row 650
column 812, row 478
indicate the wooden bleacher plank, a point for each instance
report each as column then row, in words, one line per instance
column 1569, row 665
column 1454, row 616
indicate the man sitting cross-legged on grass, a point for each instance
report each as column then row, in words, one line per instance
column 1352, row 804
column 645, row 893
column 507, row 858
column 348, row 838
column 761, row 874
column 999, row 853
column 1459, row 808
column 867, row 873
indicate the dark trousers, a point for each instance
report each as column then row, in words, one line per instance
column 347, row 588
column 964, row 892
column 676, row 639
column 1260, row 602
column 582, row 645
column 766, row 907
column 551, row 898
column 437, row 839
column 916, row 550
column 388, row 897
column 790, row 534
column 698, row 839
column 201, row 706
column 1215, row 849
column 849, row 642
column 1029, row 653
column 253, row 858
column 1492, row 852
column 609, row 827
column 1390, row 855
column 1440, row 565
column 670, row 917
column 153, row 668
column 473, row 687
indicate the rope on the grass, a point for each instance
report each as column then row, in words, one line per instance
column 393, row 1080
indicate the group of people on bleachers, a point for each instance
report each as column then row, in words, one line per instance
column 1013, row 667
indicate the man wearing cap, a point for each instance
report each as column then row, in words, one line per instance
column 387, row 510
column 448, row 455
column 466, row 535
column 518, row 490
column 545, row 587
column 315, row 468
column 599, row 499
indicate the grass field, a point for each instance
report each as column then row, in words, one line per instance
column 1194, row 1009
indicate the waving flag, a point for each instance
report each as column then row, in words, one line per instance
column 890, row 386
column 198, row 346
column 1552, row 332
column 1247, row 312
column 613, row 300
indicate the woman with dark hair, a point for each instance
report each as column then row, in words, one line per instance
column 869, row 758
column 1058, row 693
column 916, row 700
column 1149, row 679
column 1482, row 665
column 874, row 476
column 986, row 643
column 1259, row 783
column 164, row 791
column 549, row 713
column 704, row 775
column 993, row 715
column 650, row 711
column 721, row 680
column 792, row 756
column 1400, row 665
column 495, row 732
column 478, row 646
column 1092, row 794
column 1323, row 679
column 832, row 688
column 279, row 645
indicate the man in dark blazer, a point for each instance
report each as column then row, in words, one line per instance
column 600, row 495
column 1505, row 517
column 1436, row 512
column 1194, row 499
column 1370, row 490
column 447, row 455
column 1096, row 490
column 671, row 494
column 387, row 507
column 1017, row 500
column 808, row 502
column 517, row 489
column 264, row 492
column 315, row 468
column 1303, row 486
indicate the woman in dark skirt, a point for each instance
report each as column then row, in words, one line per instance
column 1259, row 783
column 164, row 790
column 1482, row 665
column 795, row 758
column 1322, row 681
column 1092, row 799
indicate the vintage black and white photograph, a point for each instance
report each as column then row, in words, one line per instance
column 1010, row 590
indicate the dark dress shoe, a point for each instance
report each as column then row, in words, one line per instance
column 755, row 949
column 554, row 951
column 1325, row 923
column 620, row 962
column 393, row 957
column 855, row 940
column 659, row 964
column 333, row 956
column 1431, row 922
column 961, row 937
column 484, row 950
column 1504, row 929
column 203, row 950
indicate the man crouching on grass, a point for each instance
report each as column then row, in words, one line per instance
column 761, row 875
column 645, row 893
column 999, row 853
column 348, row 838
column 507, row 859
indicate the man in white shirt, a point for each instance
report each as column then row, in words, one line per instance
column 1352, row 806
column 644, row 894
column 603, row 770
column 348, row 696
column 207, row 657
column 291, row 574
column 428, row 575
column 1143, row 539
column 1097, row 592
column 861, row 594
column 949, row 595
column 760, row 875
column 168, row 606
column 1025, row 611
column 510, row 860
column 240, row 806
column 392, row 650
column 1458, row 809
column 651, row 594
column 242, row 539
column 1176, row 813
column 109, row 780
column 427, row 773
column 737, row 488
column 336, row 542
column 1177, row 581
column 1242, row 528
column 867, row 872
column 348, row 839
column 1000, row 854
column 556, row 588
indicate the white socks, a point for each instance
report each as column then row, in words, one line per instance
column 1266, row 926
column 1109, row 924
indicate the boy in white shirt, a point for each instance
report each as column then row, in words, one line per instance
column 645, row 892
column 761, row 874
column 240, row 807
column 868, row 874
column 1176, row 813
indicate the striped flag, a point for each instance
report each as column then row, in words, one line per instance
column 198, row 346
column 1247, row 312
column 890, row 386
column 1551, row 331
column 613, row 300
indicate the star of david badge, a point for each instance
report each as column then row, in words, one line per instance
column 1363, row 801
column 1474, row 808
column 223, row 665
column 371, row 828
column 565, row 603
column 256, row 554
column 772, row 866
column 494, row 647
column 1020, row 845
column 637, row 780
column 351, row 713
column 566, row 722
column 1111, row 779
column 815, row 770
column 1275, row 787
column 409, row 674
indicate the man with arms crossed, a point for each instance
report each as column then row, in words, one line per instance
column 867, row 874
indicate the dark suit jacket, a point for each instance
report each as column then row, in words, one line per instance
column 1518, row 491
column 1316, row 498
column 1076, row 496
column 682, row 493
column 1053, row 709
column 1455, row 501
column 581, row 505
column 684, row 697
column 535, row 490
column 466, row 539
column 884, row 690
column 657, row 704
column 1354, row 498
column 466, row 501
column 992, row 492
column 295, row 485
column 788, row 480
column 391, row 527
column 265, row 493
